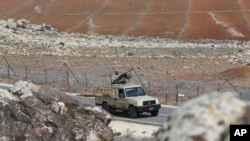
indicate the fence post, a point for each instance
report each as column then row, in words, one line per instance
column 86, row 80
column 218, row 87
column 166, row 98
column 198, row 89
column 149, row 88
column 45, row 73
column 8, row 71
column 111, row 81
column 67, row 77
column 26, row 73
column 177, row 97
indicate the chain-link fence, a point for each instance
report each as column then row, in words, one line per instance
column 73, row 78
column 177, row 92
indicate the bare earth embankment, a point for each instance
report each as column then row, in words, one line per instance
column 179, row 20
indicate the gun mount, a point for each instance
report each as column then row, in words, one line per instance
column 122, row 78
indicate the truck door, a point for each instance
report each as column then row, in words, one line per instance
column 120, row 100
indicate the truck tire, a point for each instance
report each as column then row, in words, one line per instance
column 105, row 106
column 154, row 113
column 132, row 112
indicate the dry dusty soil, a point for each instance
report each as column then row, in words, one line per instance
column 160, row 76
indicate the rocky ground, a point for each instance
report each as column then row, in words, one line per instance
column 161, row 64
column 31, row 112
column 218, row 110
column 124, row 131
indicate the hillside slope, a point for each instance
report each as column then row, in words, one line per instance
column 180, row 20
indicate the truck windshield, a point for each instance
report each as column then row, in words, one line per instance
column 135, row 91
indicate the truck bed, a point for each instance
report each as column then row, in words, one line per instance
column 100, row 98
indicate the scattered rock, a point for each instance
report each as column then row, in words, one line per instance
column 21, row 34
column 117, row 134
column 22, row 23
column 240, row 56
column 205, row 118
column 6, row 95
column 22, row 89
column 130, row 53
column 38, row 10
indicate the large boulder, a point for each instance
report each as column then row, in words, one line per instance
column 206, row 118
column 22, row 23
column 49, row 114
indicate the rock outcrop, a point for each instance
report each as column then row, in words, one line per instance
column 30, row 112
column 206, row 118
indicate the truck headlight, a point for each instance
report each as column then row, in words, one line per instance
column 137, row 103
column 157, row 101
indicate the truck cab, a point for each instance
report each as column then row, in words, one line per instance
column 130, row 98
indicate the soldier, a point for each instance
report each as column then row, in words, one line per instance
column 115, row 77
column 119, row 78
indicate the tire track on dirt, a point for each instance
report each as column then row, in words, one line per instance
column 138, row 18
column 232, row 31
column 243, row 16
column 42, row 5
column 12, row 10
column 79, row 24
column 43, row 10
column 91, row 17
column 219, row 11
column 47, row 6
column 185, row 21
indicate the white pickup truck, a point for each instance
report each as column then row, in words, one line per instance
column 130, row 98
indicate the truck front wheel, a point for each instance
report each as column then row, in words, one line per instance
column 154, row 113
column 106, row 107
column 132, row 112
